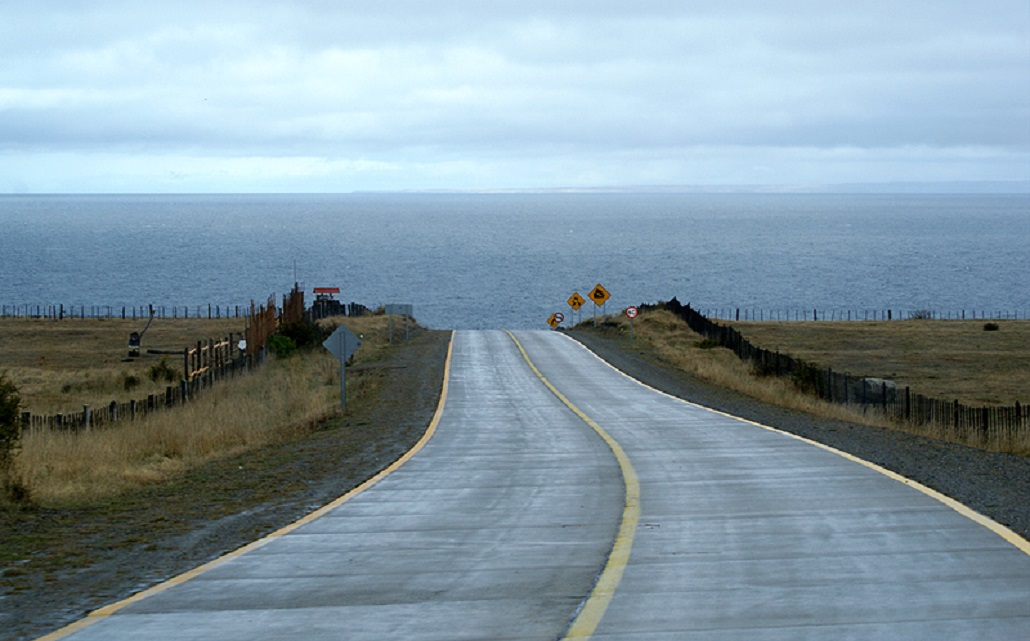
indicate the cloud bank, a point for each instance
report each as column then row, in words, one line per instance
column 329, row 96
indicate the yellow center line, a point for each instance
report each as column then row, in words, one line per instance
column 108, row 610
column 593, row 609
column 1004, row 532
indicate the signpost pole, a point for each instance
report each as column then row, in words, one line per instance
column 631, row 313
column 341, row 342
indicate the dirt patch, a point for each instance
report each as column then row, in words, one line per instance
column 62, row 564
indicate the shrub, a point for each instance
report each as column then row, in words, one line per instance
column 10, row 420
column 163, row 371
column 991, row 327
column 129, row 382
column 303, row 334
column 281, row 346
column 921, row 314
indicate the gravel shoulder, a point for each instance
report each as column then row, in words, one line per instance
column 995, row 485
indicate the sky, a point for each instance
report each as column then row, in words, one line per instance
column 340, row 96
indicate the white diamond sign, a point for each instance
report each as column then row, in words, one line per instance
column 342, row 344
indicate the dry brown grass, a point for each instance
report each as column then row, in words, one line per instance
column 275, row 402
column 59, row 366
column 953, row 359
column 667, row 337
column 949, row 360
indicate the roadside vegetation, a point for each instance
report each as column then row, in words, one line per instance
column 290, row 395
column 976, row 362
column 59, row 366
column 947, row 359
column 671, row 343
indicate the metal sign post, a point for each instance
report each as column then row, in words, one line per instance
column 575, row 302
column 342, row 344
column 405, row 310
column 600, row 296
column 631, row 313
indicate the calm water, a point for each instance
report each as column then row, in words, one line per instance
column 473, row 260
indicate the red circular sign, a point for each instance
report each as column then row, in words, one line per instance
column 631, row 312
column 559, row 317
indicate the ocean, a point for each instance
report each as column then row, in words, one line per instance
column 511, row 260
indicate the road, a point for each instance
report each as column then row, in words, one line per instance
column 562, row 499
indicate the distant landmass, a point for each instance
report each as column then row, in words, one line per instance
column 941, row 187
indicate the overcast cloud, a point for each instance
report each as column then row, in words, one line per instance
column 338, row 96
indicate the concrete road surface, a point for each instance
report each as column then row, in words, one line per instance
column 566, row 500
column 747, row 533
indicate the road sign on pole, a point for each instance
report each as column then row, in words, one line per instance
column 631, row 313
column 342, row 344
column 404, row 310
column 599, row 295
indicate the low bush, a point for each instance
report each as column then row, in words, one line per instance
column 991, row 327
column 129, row 382
column 10, row 421
column 281, row 346
column 163, row 372
column 303, row 334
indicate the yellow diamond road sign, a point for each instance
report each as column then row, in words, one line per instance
column 599, row 295
column 575, row 301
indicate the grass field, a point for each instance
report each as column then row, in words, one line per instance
column 946, row 359
column 268, row 405
column 59, row 366
column 950, row 359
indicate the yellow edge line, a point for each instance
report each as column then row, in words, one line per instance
column 108, row 610
column 1015, row 539
column 593, row 609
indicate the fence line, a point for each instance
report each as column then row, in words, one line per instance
column 762, row 314
column 204, row 366
column 134, row 312
column 1004, row 428
column 61, row 311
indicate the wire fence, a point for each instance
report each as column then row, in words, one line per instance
column 812, row 314
column 1001, row 428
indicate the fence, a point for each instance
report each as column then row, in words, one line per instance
column 61, row 311
column 756, row 314
column 1006, row 428
column 204, row 366
column 211, row 311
